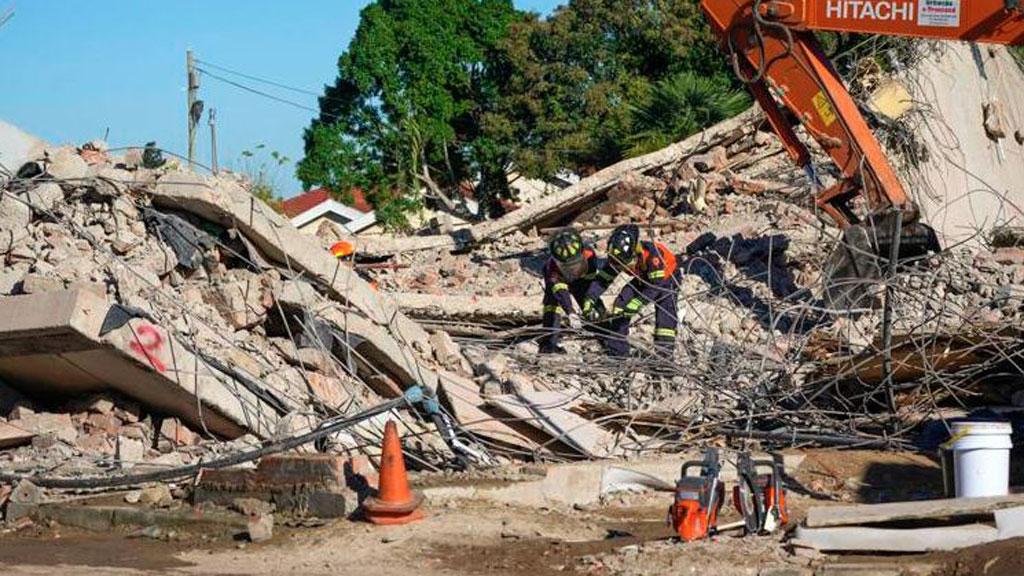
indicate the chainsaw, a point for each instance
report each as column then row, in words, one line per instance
column 698, row 499
column 758, row 495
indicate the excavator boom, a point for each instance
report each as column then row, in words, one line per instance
column 774, row 51
column 988, row 21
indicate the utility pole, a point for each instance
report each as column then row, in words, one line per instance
column 193, row 88
column 213, row 139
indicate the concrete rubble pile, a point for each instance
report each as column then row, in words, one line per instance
column 153, row 317
column 753, row 312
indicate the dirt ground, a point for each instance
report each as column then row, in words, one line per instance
column 625, row 536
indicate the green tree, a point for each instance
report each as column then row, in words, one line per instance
column 570, row 84
column 406, row 109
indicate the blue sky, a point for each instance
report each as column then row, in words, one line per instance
column 73, row 69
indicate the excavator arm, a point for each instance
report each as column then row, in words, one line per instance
column 774, row 51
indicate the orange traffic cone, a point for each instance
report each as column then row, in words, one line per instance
column 395, row 503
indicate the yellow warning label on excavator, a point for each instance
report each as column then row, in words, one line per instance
column 824, row 108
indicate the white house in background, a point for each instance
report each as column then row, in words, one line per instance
column 310, row 210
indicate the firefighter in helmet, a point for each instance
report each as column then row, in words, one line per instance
column 654, row 279
column 568, row 274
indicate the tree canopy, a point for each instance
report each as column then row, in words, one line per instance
column 431, row 94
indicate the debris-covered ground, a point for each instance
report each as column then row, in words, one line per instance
column 182, row 367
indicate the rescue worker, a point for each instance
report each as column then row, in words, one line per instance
column 655, row 278
column 568, row 274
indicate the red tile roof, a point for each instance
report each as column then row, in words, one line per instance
column 292, row 207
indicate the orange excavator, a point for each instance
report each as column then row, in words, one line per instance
column 774, row 51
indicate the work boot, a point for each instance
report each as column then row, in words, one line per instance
column 551, row 348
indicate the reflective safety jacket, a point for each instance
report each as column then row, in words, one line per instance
column 651, row 272
column 559, row 290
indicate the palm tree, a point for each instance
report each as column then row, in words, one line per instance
column 679, row 106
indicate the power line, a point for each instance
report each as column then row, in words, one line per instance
column 258, row 79
column 259, row 92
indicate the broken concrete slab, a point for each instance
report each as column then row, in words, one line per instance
column 504, row 310
column 51, row 343
column 463, row 398
column 826, row 516
column 970, row 176
column 549, row 412
column 105, row 518
column 578, row 483
column 227, row 203
column 1009, row 524
column 18, row 147
column 376, row 346
column 851, row 539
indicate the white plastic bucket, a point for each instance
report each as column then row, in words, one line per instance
column 981, row 458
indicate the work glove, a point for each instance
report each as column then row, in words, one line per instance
column 575, row 322
column 591, row 312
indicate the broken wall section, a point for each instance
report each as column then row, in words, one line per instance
column 971, row 100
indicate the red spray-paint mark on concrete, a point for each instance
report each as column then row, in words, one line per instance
column 148, row 342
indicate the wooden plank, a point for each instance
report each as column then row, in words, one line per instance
column 822, row 517
column 859, row 539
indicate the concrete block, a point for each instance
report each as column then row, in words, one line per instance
column 301, row 470
column 260, row 527
column 26, row 493
column 64, row 163
column 50, row 343
column 106, row 518
column 60, row 425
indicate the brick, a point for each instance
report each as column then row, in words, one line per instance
column 43, row 422
column 228, row 479
column 173, row 430
column 1009, row 256
column 105, row 422
column 302, row 470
